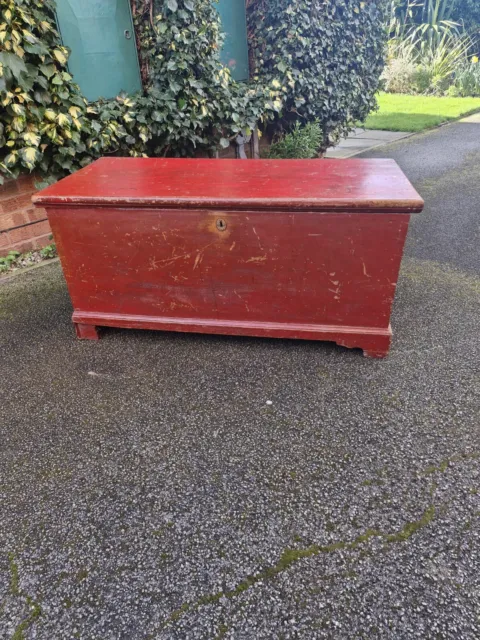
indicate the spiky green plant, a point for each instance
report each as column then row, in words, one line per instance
column 428, row 20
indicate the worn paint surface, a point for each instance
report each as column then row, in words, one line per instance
column 317, row 268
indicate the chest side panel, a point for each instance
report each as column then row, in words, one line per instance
column 338, row 269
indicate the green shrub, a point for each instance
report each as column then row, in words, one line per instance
column 422, row 20
column 422, row 81
column 311, row 61
column 399, row 75
column 7, row 261
column 42, row 109
column 327, row 58
column 442, row 58
column 48, row 252
column 190, row 102
column 419, row 65
column 46, row 125
column 467, row 80
column 301, row 142
column 467, row 13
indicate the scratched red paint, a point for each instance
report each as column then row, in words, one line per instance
column 291, row 248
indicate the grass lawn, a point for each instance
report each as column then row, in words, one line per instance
column 401, row 112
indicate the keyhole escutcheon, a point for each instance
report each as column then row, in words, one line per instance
column 221, row 224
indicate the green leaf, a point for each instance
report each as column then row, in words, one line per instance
column 13, row 63
column 18, row 109
column 42, row 81
column 29, row 156
column 172, row 5
column 60, row 56
column 42, row 96
column 18, row 124
column 63, row 120
column 224, row 143
column 10, row 159
column 31, row 138
column 38, row 49
column 47, row 69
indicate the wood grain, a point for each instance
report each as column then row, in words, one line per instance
column 281, row 185
column 276, row 272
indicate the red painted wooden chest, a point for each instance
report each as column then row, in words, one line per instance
column 291, row 248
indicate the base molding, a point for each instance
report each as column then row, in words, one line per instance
column 375, row 341
column 86, row 331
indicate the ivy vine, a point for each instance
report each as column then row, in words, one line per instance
column 325, row 55
column 311, row 61
column 190, row 103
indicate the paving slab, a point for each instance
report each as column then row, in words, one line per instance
column 361, row 140
column 353, row 149
column 168, row 486
column 385, row 136
column 472, row 119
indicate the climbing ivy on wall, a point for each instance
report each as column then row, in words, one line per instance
column 191, row 99
column 326, row 55
column 190, row 102
column 311, row 60
column 42, row 110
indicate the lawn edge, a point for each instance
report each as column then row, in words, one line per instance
column 470, row 112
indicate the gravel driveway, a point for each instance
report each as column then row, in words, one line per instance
column 178, row 486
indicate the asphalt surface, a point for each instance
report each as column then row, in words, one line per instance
column 157, row 485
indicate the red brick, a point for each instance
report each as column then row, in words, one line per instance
column 17, row 203
column 29, row 245
column 4, row 242
column 42, row 241
column 26, row 183
column 9, row 220
column 37, row 242
column 31, row 231
column 8, row 188
column 22, row 247
column 35, row 214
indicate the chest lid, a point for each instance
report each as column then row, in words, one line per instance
column 364, row 185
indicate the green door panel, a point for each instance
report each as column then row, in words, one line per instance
column 234, row 53
column 103, row 59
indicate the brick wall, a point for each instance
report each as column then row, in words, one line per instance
column 22, row 227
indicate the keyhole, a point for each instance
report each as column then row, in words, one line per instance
column 221, row 224
column 127, row 34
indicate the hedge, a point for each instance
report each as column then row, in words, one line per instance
column 311, row 61
column 326, row 55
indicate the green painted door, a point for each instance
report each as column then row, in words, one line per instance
column 103, row 59
column 234, row 53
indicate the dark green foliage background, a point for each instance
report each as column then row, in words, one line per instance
column 190, row 102
column 313, row 60
column 467, row 12
column 327, row 55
